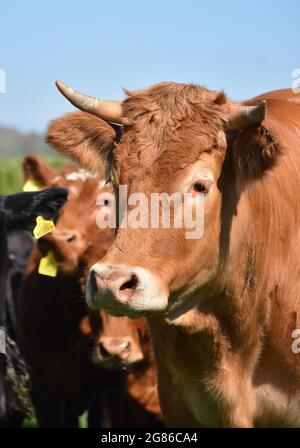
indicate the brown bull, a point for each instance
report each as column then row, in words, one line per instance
column 222, row 308
column 124, row 344
column 68, row 349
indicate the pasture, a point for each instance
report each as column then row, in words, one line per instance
column 11, row 176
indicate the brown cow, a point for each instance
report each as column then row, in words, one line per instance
column 135, row 403
column 61, row 341
column 222, row 308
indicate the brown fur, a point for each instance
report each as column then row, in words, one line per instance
column 224, row 357
column 60, row 337
column 71, row 133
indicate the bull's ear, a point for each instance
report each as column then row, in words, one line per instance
column 88, row 140
column 255, row 150
column 36, row 169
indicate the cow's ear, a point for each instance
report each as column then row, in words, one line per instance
column 35, row 169
column 88, row 140
column 255, row 150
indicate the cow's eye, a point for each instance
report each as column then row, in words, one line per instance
column 201, row 187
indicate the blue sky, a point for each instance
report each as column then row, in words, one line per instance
column 99, row 47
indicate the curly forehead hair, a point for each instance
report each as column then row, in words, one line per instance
column 169, row 113
column 169, row 103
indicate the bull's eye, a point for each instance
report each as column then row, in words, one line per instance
column 201, row 187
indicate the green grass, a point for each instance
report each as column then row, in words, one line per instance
column 11, row 175
column 32, row 423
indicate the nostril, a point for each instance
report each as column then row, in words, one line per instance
column 103, row 352
column 130, row 284
column 71, row 238
column 114, row 347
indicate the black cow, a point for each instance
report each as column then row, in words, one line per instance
column 18, row 212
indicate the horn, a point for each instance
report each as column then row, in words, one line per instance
column 242, row 117
column 108, row 110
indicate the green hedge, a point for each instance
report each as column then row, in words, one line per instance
column 11, row 176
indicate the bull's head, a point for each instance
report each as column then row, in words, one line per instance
column 175, row 138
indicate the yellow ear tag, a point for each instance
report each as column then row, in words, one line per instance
column 31, row 185
column 43, row 226
column 48, row 265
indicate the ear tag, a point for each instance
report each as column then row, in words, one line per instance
column 48, row 265
column 43, row 226
column 31, row 185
